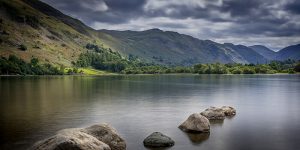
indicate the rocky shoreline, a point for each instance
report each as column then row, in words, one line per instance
column 105, row 137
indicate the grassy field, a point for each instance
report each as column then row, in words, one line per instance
column 91, row 71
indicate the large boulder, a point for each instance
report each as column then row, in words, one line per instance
column 71, row 139
column 96, row 137
column 157, row 139
column 108, row 135
column 228, row 110
column 213, row 113
column 195, row 123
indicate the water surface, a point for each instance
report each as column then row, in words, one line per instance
column 268, row 108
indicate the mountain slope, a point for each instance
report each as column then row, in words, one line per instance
column 46, row 33
column 264, row 51
column 50, row 11
column 172, row 48
column 290, row 52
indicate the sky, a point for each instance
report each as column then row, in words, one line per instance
column 273, row 23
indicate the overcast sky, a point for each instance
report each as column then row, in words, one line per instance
column 274, row 23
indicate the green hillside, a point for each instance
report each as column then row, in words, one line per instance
column 44, row 36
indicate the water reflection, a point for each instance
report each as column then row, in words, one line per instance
column 268, row 108
column 216, row 122
column 197, row 138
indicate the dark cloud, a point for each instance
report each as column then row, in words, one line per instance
column 215, row 19
column 293, row 7
column 241, row 7
column 125, row 5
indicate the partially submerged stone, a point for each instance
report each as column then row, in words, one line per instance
column 195, row 123
column 71, row 139
column 108, row 135
column 214, row 113
column 96, row 137
column 157, row 139
column 228, row 110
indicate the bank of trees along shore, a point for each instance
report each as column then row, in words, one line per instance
column 16, row 66
column 102, row 58
column 289, row 66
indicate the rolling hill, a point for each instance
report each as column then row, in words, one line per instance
column 57, row 38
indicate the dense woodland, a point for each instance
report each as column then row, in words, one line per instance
column 102, row 58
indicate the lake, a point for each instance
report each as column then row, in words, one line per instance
column 268, row 108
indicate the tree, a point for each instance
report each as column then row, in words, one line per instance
column 34, row 61
column 248, row 70
column 297, row 67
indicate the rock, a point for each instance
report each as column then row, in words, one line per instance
column 228, row 111
column 214, row 113
column 106, row 134
column 71, row 139
column 96, row 137
column 195, row 123
column 157, row 139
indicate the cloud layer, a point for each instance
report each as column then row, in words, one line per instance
column 275, row 24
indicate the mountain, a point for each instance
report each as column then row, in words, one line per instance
column 290, row 52
column 54, row 37
column 172, row 48
column 264, row 51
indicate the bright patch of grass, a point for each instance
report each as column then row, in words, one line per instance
column 90, row 71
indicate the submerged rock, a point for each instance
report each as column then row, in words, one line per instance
column 213, row 113
column 228, row 110
column 195, row 123
column 96, row 137
column 108, row 135
column 71, row 139
column 157, row 139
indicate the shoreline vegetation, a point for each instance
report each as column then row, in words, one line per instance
column 98, row 60
column 93, row 64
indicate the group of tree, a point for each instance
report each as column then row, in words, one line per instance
column 288, row 66
column 16, row 66
column 102, row 58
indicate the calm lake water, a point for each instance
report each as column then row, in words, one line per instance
column 268, row 108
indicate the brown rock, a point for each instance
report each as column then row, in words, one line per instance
column 195, row 123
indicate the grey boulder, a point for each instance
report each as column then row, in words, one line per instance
column 108, row 135
column 96, row 137
column 195, row 123
column 228, row 110
column 157, row 139
column 214, row 113
column 71, row 139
